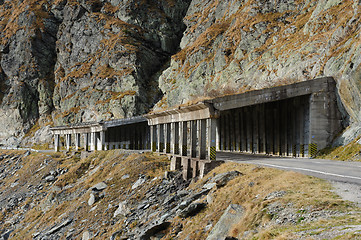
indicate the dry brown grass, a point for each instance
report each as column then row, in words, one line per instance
column 302, row 191
column 350, row 152
column 108, row 166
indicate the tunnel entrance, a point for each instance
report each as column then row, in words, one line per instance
column 276, row 128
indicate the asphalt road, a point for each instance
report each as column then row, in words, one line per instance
column 348, row 172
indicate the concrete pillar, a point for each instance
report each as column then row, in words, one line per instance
column 222, row 138
column 160, row 137
column 218, row 135
column 92, row 141
column 167, row 137
column 269, row 128
column 131, row 137
column 211, row 138
column 249, row 127
column 187, row 169
column 306, row 131
column 100, row 140
column 243, row 127
column 175, row 163
column 56, row 142
column 68, row 142
column 255, row 114
column 121, row 137
column 284, row 122
column 172, row 138
column 202, row 138
column 77, row 141
column 175, row 138
column 153, row 139
column 262, row 129
column 231, row 132
column 227, row 137
column 193, row 137
column 297, row 126
column 86, row 141
column 304, row 126
column 183, row 138
column 290, row 136
column 276, row 121
column 237, row 130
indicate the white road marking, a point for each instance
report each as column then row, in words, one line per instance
column 310, row 170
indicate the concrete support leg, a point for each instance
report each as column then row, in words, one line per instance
column 92, row 142
column 193, row 138
column 153, row 137
column 77, row 141
column 249, row 129
column 284, row 123
column 187, row 169
column 172, row 138
column 242, row 119
column 86, row 141
column 68, row 142
column 160, row 130
column 218, row 134
column 269, row 129
column 276, row 122
column 167, row 137
column 298, row 128
column 255, row 129
column 202, row 139
column 121, row 135
column 231, row 132
column 101, row 142
column 131, row 137
column 290, row 127
column 222, row 133
column 56, row 142
column 262, row 129
column 212, row 135
column 237, row 131
column 175, row 138
column 228, row 142
column 175, row 163
column 183, row 129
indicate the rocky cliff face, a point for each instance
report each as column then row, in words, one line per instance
column 66, row 61
column 233, row 46
column 81, row 60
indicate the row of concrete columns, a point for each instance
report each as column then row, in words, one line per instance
column 135, row 136
column 277, row 128
column 194, row 138
column 91, row 141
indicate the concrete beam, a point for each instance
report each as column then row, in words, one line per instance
column 187, row 113
column 272, row 94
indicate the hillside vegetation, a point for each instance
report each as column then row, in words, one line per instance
column 118, row 195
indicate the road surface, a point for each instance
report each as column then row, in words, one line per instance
column 348, row 172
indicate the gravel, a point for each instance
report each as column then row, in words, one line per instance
column 348, row 191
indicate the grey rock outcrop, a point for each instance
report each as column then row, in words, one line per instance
column 234, row 46
column 57, row 58
column 231, row 216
